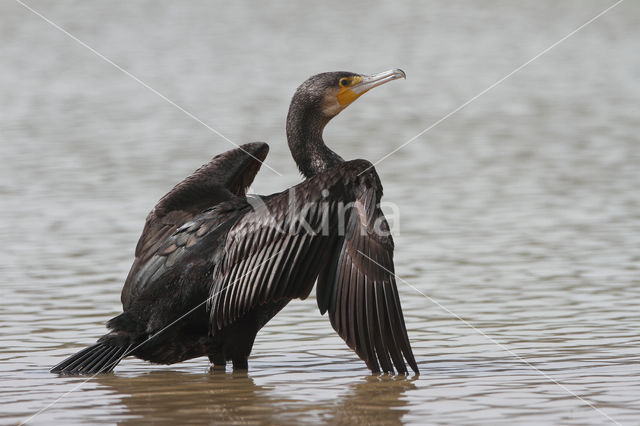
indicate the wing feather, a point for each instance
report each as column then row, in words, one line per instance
column 382, row 346
column 358, row 287
column 369, row 304
column 271, row 254
column 225, row 176
column 275, row 253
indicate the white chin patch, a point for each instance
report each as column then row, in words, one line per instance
column 331, row 107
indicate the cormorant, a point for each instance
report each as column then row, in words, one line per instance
column 213, row 266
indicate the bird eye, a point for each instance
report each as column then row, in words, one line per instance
column 344, row 82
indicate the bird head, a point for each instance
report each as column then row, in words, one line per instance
column 331, row 92
column 314, row 104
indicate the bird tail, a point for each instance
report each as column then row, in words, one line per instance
column 99, row 358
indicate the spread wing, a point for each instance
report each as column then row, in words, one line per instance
column 323, row 228
column 225, row 176
column 275, row 251
column 358, row 287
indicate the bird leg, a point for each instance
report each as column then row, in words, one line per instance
column 240, row 363
column 218, row 360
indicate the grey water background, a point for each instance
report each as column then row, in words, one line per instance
column 520, row 213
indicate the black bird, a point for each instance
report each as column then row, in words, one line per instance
column 213, row 266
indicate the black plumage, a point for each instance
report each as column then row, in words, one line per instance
column 213, row 266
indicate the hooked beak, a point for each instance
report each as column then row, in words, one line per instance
column 366, row 83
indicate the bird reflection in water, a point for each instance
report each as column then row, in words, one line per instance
column 174, row 397
column 375, row 400
column 178, row 398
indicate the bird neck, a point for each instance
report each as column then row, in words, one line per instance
column 304, row 134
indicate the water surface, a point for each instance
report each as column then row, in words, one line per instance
column 520, row 214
